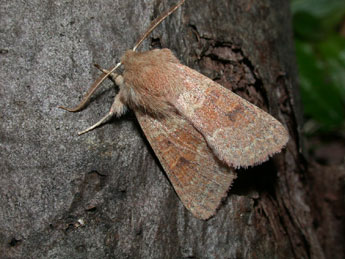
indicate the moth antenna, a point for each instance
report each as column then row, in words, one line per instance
column 113, row 75
column 156, row 22
column 91, row 90
column 106, row 73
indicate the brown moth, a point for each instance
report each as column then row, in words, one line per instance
column 199, row 130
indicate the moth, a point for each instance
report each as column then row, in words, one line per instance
column 199, row 130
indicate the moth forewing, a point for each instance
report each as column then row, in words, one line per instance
column 239, row 133
column 198, row 178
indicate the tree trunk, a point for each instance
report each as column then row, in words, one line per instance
column 104, row 194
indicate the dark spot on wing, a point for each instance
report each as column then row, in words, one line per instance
column 166, row 143
column 234, row 113
column 182, row 162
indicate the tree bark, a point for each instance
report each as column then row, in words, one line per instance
column 104, row 194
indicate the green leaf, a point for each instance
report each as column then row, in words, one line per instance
column 318, row 8
column 321, row 97
column 314, row 19
column 321, row 59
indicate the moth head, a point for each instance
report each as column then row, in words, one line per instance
column 129, row 54
column 130, row 57
column 140, row 59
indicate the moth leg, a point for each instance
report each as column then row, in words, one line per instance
column 92, row 89
column 118, row 79
column 87, row 96
column 117, row 109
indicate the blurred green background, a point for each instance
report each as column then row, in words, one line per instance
column 319, row 27
column 319, row 30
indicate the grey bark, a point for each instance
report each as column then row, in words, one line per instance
column 104, row 194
